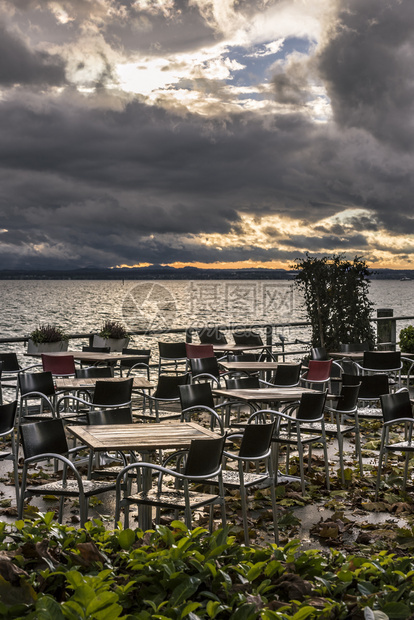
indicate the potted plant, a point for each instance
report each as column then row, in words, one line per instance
column 47, row 339
column 113, row 335
column 407, row 339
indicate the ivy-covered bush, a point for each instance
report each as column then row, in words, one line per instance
column 336, row 298
column 407, row 339
column 54, row 572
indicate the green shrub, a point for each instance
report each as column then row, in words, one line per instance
column 48, row 333
column 55, row 572
column 407, row 339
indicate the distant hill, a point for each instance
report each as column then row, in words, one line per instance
column 158, row 272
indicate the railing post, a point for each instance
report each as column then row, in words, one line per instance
column 386, row 330
column 269, row 340
column 189, row 334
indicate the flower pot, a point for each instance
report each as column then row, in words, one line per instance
column 46, row 347
column 114, row 344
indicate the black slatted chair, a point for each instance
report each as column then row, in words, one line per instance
column 203, row 461
column 46, row 440
column 206, row 369
column 255, row 448
column 11, row 369
column 292, row 432
column 94, row 372
column 371, row 388
column 140, row 362
column 106, row 395
column 196, row 398
column 8, row 414
column 397, row 411
column 172, row 357
column 212, row 335
column 37, row 396
column 98, row 417
column 388, row 362
column 286, row 375
column 164, row 400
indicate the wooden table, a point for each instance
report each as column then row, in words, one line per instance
column 73, row 383
column 84, row 356
column 146, row 439
column 265, row 395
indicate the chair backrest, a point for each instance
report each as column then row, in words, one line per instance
column 311, row 406
column 196, row 394
column 203, row 365
column 142, row 357
column 172, row 350
column 43, row 437
column 319, row 370
column 382, row 360
column 110, row 416
column 195, row 351
column 112, row 392
column 94, row 372
column 204, row 456
column 211, row 335
column 7, row 416
column 256, row 439
column 287, row 375
column 352, row 347
column 348, row 398
column 59, row 365
column 372, row 386
column 242, row 383
column 248, row 337
column 91, row 349
column 319, row 353
column 396, row 406
column 168, row 386
column 9, row 362
column 37, row 382
column 243, row 357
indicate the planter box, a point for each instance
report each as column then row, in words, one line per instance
column 46, row 347
column 114, row 344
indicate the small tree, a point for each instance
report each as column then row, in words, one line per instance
column 336, row 298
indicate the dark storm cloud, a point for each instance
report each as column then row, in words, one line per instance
column 368, row 69
column 21, row 65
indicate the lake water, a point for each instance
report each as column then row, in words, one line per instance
column 82, row 305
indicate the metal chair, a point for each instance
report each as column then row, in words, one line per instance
column 171, row 354
column 195, row 351
column 292, row 431
column 11, row 369
column 371, row 388
column 317, row 374
column 107, row 417
column 286, row 375
column 140, row 362
column 203, row 462
column 255, row 448
column 37, row 391
column 346, row 407
column 166, row 394
column 397, row 410
column 94, row 372
column 206, row 369
column 387, row 362
column 198, row 398
column 106, row 395
column 319, row 354
column 212, row 335
column 8, row 413
column 47, row 440
column 59, row 365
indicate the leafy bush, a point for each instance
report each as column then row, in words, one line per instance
column 48, row 333
column 113, row 329
column 54, row 572
column 336, row 299
column 407, row 339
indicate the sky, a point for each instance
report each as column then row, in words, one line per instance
column 211, row 133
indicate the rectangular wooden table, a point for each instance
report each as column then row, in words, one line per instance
column 265, row 395
column 73, row 383
column 85, row 356
column 146, row 439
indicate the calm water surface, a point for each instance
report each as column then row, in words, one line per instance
column 83, row 305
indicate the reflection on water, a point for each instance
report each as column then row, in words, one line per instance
column 83, row 305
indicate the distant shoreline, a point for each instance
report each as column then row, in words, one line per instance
column 185, row 273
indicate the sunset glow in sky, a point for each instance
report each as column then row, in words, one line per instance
column 212, row 133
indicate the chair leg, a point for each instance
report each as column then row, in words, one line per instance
column 379, row 465
column 272, row 477
column 301, row 468
column 407, row 462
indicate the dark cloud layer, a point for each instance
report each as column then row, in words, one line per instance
column 87, row 181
